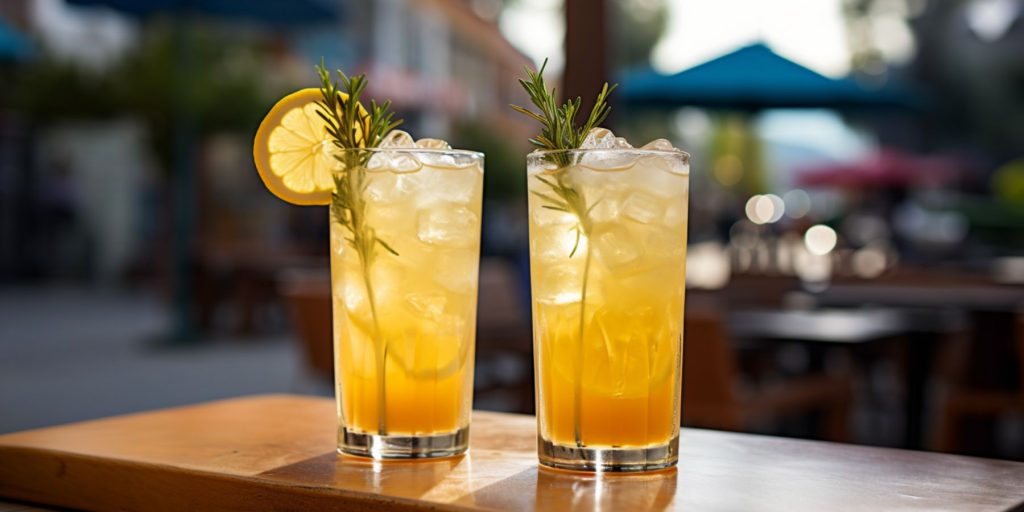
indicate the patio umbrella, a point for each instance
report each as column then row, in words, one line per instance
column 889, row 168
column 13, row 45
column 266, row 12
column 753, row 78
column 275, row 12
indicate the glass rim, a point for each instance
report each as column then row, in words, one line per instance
column 434, row 151
column 622, row 151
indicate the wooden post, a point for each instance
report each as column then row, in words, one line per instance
column 586, row 63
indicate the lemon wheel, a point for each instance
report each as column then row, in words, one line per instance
column 292, row 150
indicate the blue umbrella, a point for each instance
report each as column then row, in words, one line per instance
column 287, row 12
column 752, row 78
column 13, row 45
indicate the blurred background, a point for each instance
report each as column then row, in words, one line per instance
column 856, row 259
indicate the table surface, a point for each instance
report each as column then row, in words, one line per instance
column 276, row 452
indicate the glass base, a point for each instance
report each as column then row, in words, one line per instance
column 612, row 460
column 403, row 447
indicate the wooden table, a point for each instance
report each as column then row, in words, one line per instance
column 277, row 453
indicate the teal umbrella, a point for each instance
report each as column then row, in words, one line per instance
column 272, row 12
column 754, row 78
column 13, row 45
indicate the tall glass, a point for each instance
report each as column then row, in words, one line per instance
column 405, row 248
column 608, row 266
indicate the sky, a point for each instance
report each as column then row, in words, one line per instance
column 810, row 32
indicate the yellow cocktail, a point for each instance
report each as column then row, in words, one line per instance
column 405, row 302
column 607, row 258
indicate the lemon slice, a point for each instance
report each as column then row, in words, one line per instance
column 292, row 150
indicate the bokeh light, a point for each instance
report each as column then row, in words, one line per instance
column 765, row 209
column 869, row 262
column 708, row 266
column 820, row 239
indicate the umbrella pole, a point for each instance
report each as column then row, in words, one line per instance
column 185, row 206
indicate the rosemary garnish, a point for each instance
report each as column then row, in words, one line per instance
column 561, row 133
column 353, row 130
column 559, row 122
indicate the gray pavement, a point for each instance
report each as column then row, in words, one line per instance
column 71, row 354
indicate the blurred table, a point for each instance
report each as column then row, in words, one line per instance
column 821, row 326
column 968, row 297
column 277, row 453
column 922, row 330
column 990, row 315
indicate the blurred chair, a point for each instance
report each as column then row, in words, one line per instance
column 504, row 346
column 712, row 397
column 964, row 401
column 307, row 295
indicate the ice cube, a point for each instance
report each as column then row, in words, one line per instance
column 448, row 225
column 676, row 163
column 388, row 188
column 643, row 207
column 546, row 216
column 429, row 305
column 603, row 138
column 675, row 214
column 660, row 145
column 557, row 242
column 542, row 165
column 605, row 209
column 606, row 158
column 609, row 160
column 432, row 144
column 616, row 247
column 456, row 272
column 438, row 159
column 396, row 139
column 599, row 138
column 393, row 161
column 662, row 176
column 434, row 185
column 560, row 284
column 353, row 295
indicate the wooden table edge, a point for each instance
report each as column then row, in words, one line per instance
column 179, row 488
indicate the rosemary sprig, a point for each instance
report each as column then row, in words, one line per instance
column 353, row 130
column 559, row 132
column 559, row 121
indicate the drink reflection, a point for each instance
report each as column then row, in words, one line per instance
column 433, row 479
column 560, row 490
